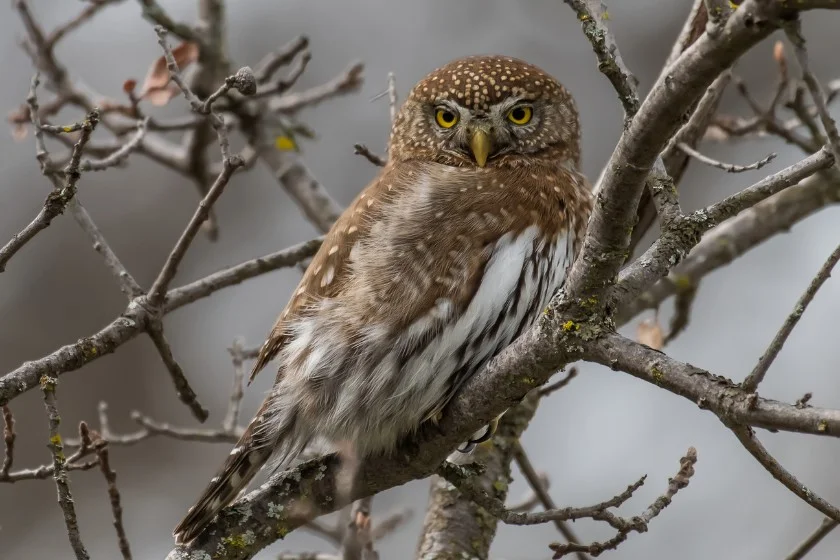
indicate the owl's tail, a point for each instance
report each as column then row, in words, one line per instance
column 245, row 461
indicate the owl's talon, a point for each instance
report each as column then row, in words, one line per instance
column 489, row 432
column 466, row 448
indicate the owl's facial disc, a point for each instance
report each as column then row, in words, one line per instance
column 481, row 135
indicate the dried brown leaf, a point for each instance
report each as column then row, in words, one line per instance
column 19, row 132
column 649, row 333
column 19, row 119
column 157, row 88
column 129, row 85
column 780, row 58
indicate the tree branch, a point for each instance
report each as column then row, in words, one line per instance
column 607, row 238
column 113, row 496
column 65, row 498
column 730, row 240
column 60, row 197
column 456, row 526
column 747, row 438
column 827, row 526
column 756, row 376
column 711, row 392
column 541, row 491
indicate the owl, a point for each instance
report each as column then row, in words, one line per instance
column 444, row 259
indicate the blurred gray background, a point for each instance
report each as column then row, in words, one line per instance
column 593, row 438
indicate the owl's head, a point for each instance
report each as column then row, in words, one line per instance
column 487, row 111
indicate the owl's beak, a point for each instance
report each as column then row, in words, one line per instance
column 480, row 146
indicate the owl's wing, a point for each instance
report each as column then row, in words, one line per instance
column 331, row 262
column 418, row 233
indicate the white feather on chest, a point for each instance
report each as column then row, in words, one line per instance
column 519, row 279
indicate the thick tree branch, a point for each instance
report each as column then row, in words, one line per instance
column 728, row 241
column 607, row 238
column 710, row 392
column 133, row 320
column 680, row 238
column 456, row 526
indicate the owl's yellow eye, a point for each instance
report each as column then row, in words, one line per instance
column 446, row 118
column 520, row 115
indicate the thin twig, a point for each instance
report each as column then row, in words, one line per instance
column 675, row 484
column 682, row 310
column 392, row 96
column 530, row 499
column 541, row 490
column 85, row 15
column 673, row 244
column 128, row 285
column 101, row 447
column 610, row 63
column 826, row 527
column 65, row 498
column 153, row 12
column 179, row 379
column 557, row 385
column 747, row 438
column 346, row 82
column 728, row 241
column 85, row 447
column 8, row 441
column 283, row 85
column 237, row 352
column 164, row 429
column 728, row 167
column 364, row 151
column 806, row 114
column 794, row 33
column 756, row 376
column 132, row 323
column 60, row 197
column 244, row 81
column 692, row 131
column 118, row 156
column 44, row 472
column 283, row 56
column 460, row 478
column 158, row 290
column 188, row 293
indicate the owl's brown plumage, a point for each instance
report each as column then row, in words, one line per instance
column 435, row 267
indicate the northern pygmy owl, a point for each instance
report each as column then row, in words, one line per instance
column 437, row 265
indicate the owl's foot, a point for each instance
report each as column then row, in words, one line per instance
column 481, row 436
